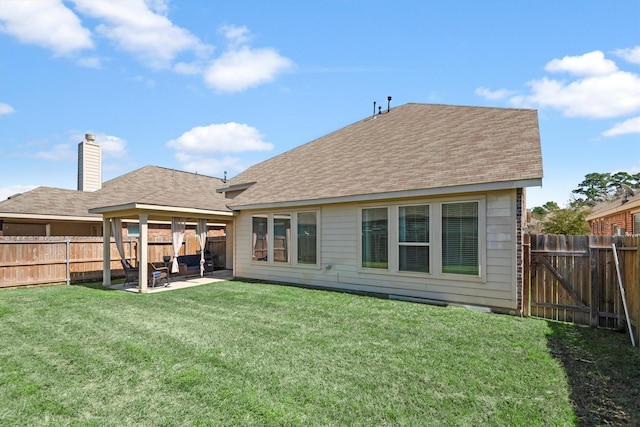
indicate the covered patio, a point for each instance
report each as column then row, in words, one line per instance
column 144, row 213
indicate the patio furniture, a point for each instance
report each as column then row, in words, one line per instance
column 190, row 264
column 131, row 272
column 157, row 273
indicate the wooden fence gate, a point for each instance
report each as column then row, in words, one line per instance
column 574, row 279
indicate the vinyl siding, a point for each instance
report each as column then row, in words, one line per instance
column 339, row 231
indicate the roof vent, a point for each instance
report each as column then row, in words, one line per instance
column 380, row 107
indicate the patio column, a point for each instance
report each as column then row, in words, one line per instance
column 106, row 252
column 144, row 254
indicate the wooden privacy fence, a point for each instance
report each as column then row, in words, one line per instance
column 574, row 279
column 27, row 261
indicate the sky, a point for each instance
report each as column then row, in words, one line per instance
column 215, row 86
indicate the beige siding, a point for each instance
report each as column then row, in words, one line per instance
column 339, row 247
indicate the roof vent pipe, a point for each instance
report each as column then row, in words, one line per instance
column 374, row 108
column 388, row 103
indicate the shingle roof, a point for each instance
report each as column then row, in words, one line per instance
column 49, row 201
column 412, row 147
column 613, row 206
column 148, row 185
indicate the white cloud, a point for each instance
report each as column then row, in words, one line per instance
column 589, row 64
column 59, row 152
column 599, row 91
column 49, row 24
column 630, row 54
column 138, row 29
column 237, row 70
column 493, row 95
column 235, row 35
column 596, row 97
column 198, row 150
column 142, row 29
column 90, row 62
column 220, row 138
column 623, row 128
column 14, row 189
column 112, row 146
column 5, row 109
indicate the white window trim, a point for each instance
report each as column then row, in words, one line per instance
column 435, row 239
column 293, row 255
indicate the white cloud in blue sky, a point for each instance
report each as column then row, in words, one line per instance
column 48, row 24
column 595, row 89
column 141, row 29
column 6, row 109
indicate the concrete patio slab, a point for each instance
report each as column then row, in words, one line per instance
column 180, row 282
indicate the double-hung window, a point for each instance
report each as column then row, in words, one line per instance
column 413, row 238
column 285, row 238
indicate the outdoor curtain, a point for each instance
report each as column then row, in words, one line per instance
column 116, row 232
column 177, row 237
column 202, row 238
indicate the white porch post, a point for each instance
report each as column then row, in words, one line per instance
column 106, row 252
column 144, row 255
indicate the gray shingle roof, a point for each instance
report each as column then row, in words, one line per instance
column 412, row 147
column 148, row 185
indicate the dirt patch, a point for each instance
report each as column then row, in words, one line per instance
column 603, row 371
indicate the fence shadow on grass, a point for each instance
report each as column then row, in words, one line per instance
column 603, row 371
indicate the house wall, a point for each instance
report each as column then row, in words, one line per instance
column 621, row 220
column 339, row 246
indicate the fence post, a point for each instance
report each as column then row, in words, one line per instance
column 68, row 259
column 593, row 284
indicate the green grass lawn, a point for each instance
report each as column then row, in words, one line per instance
column 242, row 354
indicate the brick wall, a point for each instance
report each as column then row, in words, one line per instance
column 605, row 226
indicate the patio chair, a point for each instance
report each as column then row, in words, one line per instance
column 158, row 273
column 131, row 272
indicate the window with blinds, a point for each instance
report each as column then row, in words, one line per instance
column 375, row 238
column 413, row 238
column 460, row 238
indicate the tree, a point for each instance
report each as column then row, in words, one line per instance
column 569, row 221
column 600, row 187
column 541, row 211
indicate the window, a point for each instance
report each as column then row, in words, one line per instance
column 277, row 236
column 281, row 237
column 260, row 238
column 375, row 238
column 133, row 230
column 413, row 238
column 460, row 238
column 636, row 224
column 307, row 238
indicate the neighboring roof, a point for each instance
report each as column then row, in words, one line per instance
column 50, row 202
column 412, row 147
column 150, row 185
column 604, row 209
